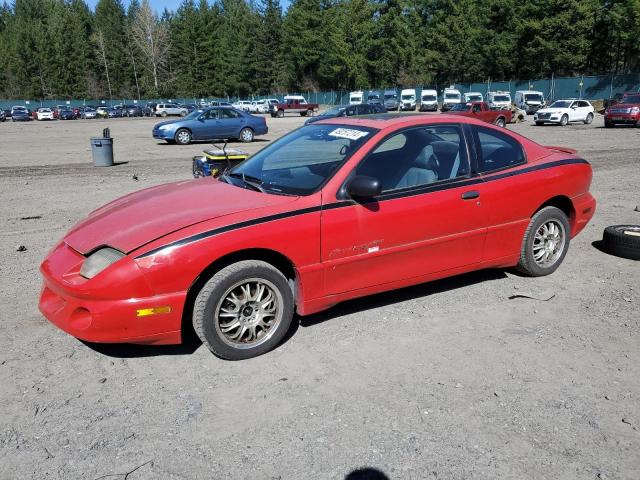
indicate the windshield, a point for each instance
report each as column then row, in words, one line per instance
column 408, row 97
column 373, row 97
column 428, row 98
column 561, row 104
column 452, row 96
column 390, row 96
column 194, row 115
column 501, row 98
column 300, row 162
column 355, row 99
column 460, row 107
column 631, row 99
column 533, row 97
column 474, row 98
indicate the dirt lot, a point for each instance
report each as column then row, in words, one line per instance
column 449, row 380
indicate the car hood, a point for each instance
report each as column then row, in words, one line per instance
column 168, row 122
column 553, row 110
column 141, row 217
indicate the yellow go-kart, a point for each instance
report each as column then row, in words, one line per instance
column 214, row 161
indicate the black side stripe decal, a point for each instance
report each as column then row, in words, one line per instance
column 345, row 203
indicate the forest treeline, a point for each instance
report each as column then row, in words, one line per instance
column 63, row 49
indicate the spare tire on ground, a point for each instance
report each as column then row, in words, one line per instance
column 622, row 241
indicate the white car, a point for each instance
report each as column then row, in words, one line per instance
column 45, row 114
column 165, row 109
column 565, row 111
column 244, row 105
column 260, row 106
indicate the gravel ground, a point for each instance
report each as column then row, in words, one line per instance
column 447, row 380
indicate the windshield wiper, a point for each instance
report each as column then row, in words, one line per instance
column 253, row 182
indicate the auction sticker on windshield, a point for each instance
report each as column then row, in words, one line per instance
column 348, row 133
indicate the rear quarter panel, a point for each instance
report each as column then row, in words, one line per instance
column 513, row 196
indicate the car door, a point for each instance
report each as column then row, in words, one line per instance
column 205, row 126
column 229, row 122
column 428, row 218
column 574, row 111
column 584, row 108
column 508, row 196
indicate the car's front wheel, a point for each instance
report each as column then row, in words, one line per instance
column 246, row 135
column 564, row 120
column 163, row 114
column 280, row 113
column 183, row 137
column 244, row 310
column 545, row 242
column 589, row 119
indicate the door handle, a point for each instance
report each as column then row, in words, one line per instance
column 470, row 195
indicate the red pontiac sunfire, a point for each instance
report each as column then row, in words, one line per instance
column 332, row 211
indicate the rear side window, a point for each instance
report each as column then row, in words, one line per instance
column 497, row 150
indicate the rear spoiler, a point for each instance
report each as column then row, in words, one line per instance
column 572, row 151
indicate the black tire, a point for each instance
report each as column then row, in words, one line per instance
column 539, row 123
column 280, row 113
column 303, row 114
column 163, row 114
column 564, row 120
column 182, row 137
column 309, row 113
column 246, row 135
column 589, row 119
column 617, row 240
column 500, row 122
column 211, row 299
column 528, row 264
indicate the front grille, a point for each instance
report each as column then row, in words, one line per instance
column 544, row 115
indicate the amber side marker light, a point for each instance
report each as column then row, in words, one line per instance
column 145, row 312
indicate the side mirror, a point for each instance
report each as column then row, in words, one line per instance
column 364, row 187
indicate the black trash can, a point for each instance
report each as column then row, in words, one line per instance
column 102, row 152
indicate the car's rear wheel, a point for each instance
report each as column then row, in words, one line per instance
column 183, row 113
column 500, row 122
column 545, row 242
column 589, row 119
column 246, row 135
column 183, row 137
column 163, row 114
column 244, row 310
column 564, row 120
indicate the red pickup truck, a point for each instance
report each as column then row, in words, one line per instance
column 293, row 104
column 481, row 111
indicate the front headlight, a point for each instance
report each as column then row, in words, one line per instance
column 635, row 110
column 99, row 260
column 164, row 127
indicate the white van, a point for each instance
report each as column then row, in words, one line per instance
column 499, row 100
column 355, row 98
column 408, row 99
column 529, row 100
column 429, row 101
column 472, row 97
column 450, row 96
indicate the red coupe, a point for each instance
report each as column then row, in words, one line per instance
column 332, row 211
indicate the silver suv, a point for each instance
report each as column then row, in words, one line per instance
column 165, row 109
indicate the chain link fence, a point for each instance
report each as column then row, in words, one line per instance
column 585, row 87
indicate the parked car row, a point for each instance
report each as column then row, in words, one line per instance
column 528, row 100
column 255, row 106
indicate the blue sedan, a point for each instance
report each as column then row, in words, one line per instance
column 214, row 123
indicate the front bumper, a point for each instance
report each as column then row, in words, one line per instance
column 103, row 309
column 622, row 118
column 428, row 107
column 548, row 118
column 163, row 134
